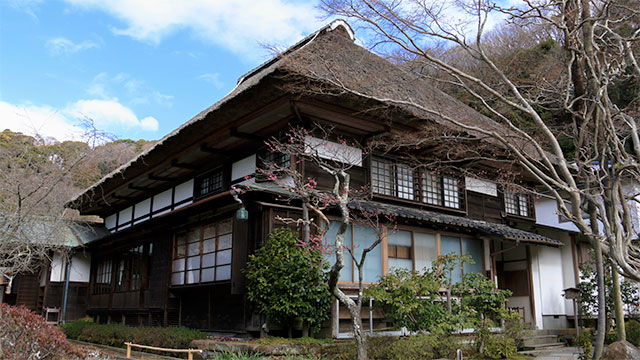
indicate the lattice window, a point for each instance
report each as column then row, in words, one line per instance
column 431, row 188
column 276, row 158
column 451, row 192
column 382, row 177
column 402, row 181
column 203, row 254
column 404, row 176
column 102, row 283
column 210, row 183
column 129, row 270
column 517, row 204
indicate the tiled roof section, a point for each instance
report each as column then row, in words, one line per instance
column 483, row 227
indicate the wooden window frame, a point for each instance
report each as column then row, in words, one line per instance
column 530, row 204
column 418, row 178
column 201, row 253
column 218, row 171
column 438, row 238
column 103, row 277
column 133, row 273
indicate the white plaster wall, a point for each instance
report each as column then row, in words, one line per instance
column 551, row 280
column 57, row 268
column 333, row 151
column 481, row 186
column 537, row 288
column 125, row 216
column 244, row 167
column 162, row 200
column 142, row 208
column 80, row 267
column 547, row 214
column 110, row 221
column 183, row 191
column 523, row 302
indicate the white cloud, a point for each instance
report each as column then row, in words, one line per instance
column 33, row 120
column 238, row 25
column 136, row 91
column 107, row 113
column 63, row 124
column 64, row 46
column 213, row 79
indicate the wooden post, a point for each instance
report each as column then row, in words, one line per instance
column 190, row 355
column 128, row 350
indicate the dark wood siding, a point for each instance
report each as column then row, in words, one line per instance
column 28, row 288
column 159, row 271
column 484, row 207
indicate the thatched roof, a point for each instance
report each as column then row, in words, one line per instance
column 324, row 57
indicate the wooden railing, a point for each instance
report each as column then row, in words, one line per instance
column 189, row 352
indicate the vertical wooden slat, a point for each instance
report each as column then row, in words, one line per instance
column 385, row 250
column 413, row 251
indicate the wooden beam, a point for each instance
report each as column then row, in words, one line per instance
column 208, row 149
column 235, row 133
column 140, row 188
column 120, row 197
column 176, row 163
column 159, row 178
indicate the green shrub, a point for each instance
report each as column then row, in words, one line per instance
column 499, row 347
column 633, row 332
column 514, row 327
column 117, row 334
column 285, row 280
column 417, row 347
column 584, row 342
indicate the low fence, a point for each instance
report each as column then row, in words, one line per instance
column 189, row 352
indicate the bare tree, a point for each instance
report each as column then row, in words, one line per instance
column 37, row 177
column 334, row 160
column 595, row 188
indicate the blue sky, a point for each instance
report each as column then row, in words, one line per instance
column 139, row 69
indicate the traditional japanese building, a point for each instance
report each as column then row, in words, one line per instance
column 177, row 244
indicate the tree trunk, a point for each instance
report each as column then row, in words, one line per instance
column 602, row 310
column 617, row 304
column 358, row 333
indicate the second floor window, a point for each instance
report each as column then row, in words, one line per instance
column 518, row 204
column 210, row 183
column 402, row 181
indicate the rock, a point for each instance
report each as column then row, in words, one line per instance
column 621, row 350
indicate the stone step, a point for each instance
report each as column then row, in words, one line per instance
column 553, row 345
column 540, row 339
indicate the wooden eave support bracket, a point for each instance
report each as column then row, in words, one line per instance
column 210, row 150
column 139, row 188
column 235, row 133
column 120, row 197
column 159, row 178
column 176, row 163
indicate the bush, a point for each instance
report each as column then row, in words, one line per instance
column 118, row 334
column 25, row 335
column 632, row 328
column 584, row 342
column 499, row 347
column 285, row 280
column 432, row 346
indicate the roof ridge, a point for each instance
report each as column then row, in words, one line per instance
column 299, row 45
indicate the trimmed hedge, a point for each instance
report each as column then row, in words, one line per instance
column 117, row 334
column 26, row 335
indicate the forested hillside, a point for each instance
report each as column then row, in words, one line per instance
column 37, row 178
